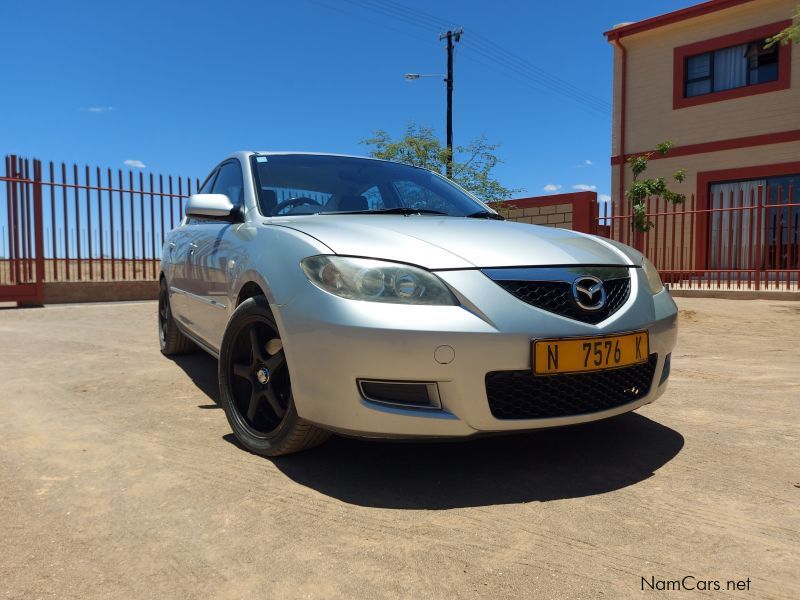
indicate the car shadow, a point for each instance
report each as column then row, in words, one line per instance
column 549, row 464
column 201, row 368
column 552, row 464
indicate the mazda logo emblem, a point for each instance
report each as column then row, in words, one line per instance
column 589, row 293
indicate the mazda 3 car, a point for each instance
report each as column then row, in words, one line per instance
column 377, row 299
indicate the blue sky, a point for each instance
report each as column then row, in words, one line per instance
column 178, row 85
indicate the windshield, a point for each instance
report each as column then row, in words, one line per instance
column 293, row 184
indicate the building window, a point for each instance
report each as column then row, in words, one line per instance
column 734, row 224
column 730, row 68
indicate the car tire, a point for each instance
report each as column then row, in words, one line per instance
column 170, row 338
column 254, row 372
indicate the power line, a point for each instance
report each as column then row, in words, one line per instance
column 368, row 20
column 491, row 46
column 423, row 17
column 490, row 51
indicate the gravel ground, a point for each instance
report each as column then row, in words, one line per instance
column 119, row 479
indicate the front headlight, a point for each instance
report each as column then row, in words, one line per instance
column 376, row 281
column 653, row 278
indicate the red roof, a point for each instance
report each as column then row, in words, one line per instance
column 697, row 10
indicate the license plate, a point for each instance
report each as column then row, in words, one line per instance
column 579, row 355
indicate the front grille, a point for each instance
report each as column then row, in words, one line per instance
column 522, row 395
column 556, row 297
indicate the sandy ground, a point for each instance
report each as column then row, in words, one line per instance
column 119, row 479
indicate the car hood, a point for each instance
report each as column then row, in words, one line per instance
column 453, row 242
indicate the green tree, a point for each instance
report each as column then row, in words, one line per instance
column 641, row 189
column 790, row 34
column 472, row 164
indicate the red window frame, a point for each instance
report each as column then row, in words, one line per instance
column 681, row 53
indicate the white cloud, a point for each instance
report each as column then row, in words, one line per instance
column 136, row 164
column 604, row 197
column 552, row 187
column 98, row 109
column 584, row 187
column 588, row 163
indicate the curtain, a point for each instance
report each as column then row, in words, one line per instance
column 730, row 68
column 732, row 231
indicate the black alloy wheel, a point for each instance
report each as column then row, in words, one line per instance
column 255, row 386
column 163, row 313
column 261, row 387
column 170, row 338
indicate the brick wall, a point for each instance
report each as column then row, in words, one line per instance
column 576, row 211
column 57, row 292
column 552, row 216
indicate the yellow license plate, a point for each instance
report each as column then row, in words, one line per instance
column 578, row 355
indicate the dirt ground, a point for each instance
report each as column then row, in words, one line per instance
column 119, row 479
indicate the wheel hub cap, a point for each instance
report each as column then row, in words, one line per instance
column 262, row 375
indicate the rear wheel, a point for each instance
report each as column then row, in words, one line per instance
column 170, row 338
column 255, row 387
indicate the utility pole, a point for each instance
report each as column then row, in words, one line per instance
column 451, row 36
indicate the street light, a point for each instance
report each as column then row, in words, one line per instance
column 413, row 76
column 448, row 167
column 451, row 37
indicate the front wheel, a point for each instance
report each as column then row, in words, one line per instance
column 255, row 388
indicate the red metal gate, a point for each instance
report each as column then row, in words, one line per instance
column 22, row 262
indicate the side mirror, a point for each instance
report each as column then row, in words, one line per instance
column 212, row 206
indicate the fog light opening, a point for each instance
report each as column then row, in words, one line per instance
column 405, row 394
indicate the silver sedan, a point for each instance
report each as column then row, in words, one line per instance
column 371, row 298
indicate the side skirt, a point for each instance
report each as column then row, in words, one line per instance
column 197, row 341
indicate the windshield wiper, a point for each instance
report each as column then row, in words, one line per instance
column 485, row 214
column 400, row 210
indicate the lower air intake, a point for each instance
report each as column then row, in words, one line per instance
column 521, row 395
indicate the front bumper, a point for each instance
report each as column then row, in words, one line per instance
column 331, row 343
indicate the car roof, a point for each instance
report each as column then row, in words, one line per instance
column 245, row 154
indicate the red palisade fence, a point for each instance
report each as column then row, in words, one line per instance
column 61, row 223
column 742, row 236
